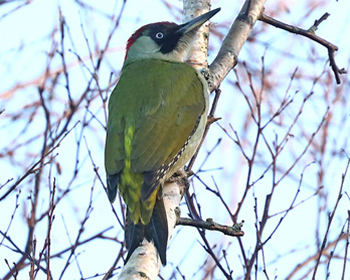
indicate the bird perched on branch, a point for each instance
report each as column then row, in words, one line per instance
column 156, row 119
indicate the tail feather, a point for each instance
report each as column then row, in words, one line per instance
column 159, row 225
column 156, row 230
column 112, row 183
column 134, row 235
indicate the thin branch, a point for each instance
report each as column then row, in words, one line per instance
column 304, row 263
column 309, row 33
column 331, row 216
column 209, row 224
column 346, row 247
column 33, row 168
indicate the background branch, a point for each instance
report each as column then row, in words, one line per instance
column 310, row 33
column 209, row 224
column 277, row 145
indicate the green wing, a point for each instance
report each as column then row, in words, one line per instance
column 159, row 102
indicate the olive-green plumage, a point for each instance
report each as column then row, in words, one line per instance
column 149, row 122
column 157, row 114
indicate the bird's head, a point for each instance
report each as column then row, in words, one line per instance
column 164, row 40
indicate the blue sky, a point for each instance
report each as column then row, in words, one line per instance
column 26, row 41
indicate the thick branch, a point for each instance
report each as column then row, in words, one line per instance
column 225, row 61
column 199, row 48
column 144, row 262
column 234, row 40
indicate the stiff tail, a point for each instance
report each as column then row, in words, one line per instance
column 156, row 230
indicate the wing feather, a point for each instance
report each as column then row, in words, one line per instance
column 162, row 105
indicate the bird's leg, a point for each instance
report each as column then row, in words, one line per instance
column 183, row 175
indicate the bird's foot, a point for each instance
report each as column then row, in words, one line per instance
column 183, row 176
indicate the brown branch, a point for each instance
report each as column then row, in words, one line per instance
column 74, row 246
column 309, row 33
column 51, row 218
column 330, row 219
column 22, row 264
column 34, row 168
column 346, row 246
column 325, row 252
column 209, row 224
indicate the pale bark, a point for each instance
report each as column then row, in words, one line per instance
column 144, row 262
column 199, row 50
column 234, row 40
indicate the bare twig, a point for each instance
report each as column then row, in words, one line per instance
column 330, row 219
column 33, row 168
column 209, row 224
column 346, row 247
column 309, row 33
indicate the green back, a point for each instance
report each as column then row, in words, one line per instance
column 152, row 111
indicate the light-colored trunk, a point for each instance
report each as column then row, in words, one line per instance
column 144, row 262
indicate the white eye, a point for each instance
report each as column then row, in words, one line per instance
column 159, row 35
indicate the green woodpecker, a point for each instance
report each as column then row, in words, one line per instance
column 157, row 115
